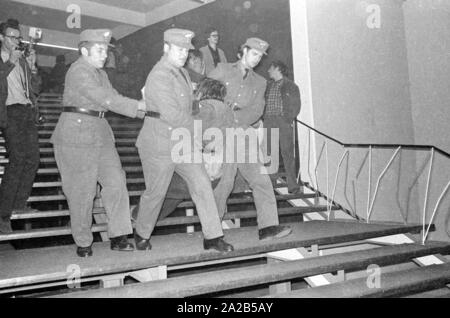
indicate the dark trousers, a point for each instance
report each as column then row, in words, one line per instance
column 22, row 146
column 286, row 142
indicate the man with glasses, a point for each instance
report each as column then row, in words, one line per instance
column 17, row 88
column 84, row 145
column 212, row 54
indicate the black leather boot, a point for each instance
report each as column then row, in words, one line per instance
column 84, row 251
column 275, row 231
column 120, row 243
column 142, row 244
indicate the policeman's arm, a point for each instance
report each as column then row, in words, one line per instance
column 160, row 96
column 107, row 97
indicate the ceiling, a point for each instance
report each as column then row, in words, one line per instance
column 61, row 24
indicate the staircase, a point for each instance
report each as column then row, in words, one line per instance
column 321, row 258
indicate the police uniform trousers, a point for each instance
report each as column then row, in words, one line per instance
column 81, row 168
column 22, row 145
column 158, row 170
column 259, row 182
column 286, row 142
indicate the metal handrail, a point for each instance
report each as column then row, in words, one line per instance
column 382, row 146
column 398, row 148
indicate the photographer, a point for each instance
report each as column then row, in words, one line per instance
column 17, row 123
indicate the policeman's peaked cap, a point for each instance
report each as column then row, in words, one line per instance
column 257, row 44
column 96, row 35
column 179, row 37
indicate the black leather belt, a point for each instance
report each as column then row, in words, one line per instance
column 152, row 114
column 26, row 105
column 79, row 110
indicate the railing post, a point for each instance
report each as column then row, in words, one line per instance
column 434, row 213
column 317, row 166
column 330, row 203
column 378, row 181
column 425, row 203
column 369, row 188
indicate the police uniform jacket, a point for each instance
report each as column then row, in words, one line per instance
column 88, row 87
column 169, row 93
column 244, row 96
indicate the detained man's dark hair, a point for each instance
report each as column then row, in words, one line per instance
column 212, row 89
column 193, row 54
column 281, row 67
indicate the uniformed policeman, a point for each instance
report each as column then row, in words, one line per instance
column 168, row 96
column 245, row 95
column 84, row 145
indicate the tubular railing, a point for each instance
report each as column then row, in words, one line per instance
column 371, row 197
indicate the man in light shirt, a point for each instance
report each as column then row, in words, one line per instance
column 17, row 77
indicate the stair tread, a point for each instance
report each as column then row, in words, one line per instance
column 177, row 220
column 37, row 265
column 392, row 284
column 215, row 281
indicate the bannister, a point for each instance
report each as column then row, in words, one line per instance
column 382, row 146
column 372, row 197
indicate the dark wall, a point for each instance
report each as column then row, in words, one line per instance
column 236, row 21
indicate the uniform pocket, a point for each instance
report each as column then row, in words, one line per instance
column 77, row 130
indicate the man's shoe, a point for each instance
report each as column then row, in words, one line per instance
column 275, row 231
column 5, row 225
column 218, row 244
column 120, row 243
column 142, row 244
column 84, row 251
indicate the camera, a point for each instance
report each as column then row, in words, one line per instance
column 23, row 47
column 35, row 35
